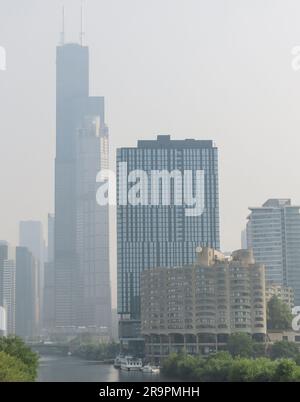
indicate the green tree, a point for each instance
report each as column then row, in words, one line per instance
column 251, row 370
column 263, row 370
column 259, row 349
column 240, row 370
column 12, row 369
column 170, row 366
column 216, row 368
column 286, row 371
column 222, row 367
column 285, row 349
column 279, row 316
column 15, row 347
column 187, row 366
column 240, row 344
column 96, row 351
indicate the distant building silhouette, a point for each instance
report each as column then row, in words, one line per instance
column 27, row 308
column 244, row 239
column 81, row 246
column 8, row 286
column 49, row 280
column 3, row 325
column 31, row 236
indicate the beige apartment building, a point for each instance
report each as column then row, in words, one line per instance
column 284, row 293
column 194, row 308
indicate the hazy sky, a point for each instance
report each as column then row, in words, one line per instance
column 205, row 69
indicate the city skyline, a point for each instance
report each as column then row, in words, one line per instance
column 164, row 116
column 228, row 209
column 150, row 212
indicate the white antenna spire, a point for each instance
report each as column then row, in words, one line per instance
column 82, row 33
column 62, row 34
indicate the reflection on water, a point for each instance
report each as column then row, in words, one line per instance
column 72, row 369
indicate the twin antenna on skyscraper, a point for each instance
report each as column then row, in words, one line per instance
column 82, row 32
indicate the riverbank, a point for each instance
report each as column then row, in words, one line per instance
column 73, row 369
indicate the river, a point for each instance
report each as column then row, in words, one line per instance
column 72, row 369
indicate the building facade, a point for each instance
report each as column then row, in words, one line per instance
column 3, row 325
column 163, row 233
column 49, row 280
column 27, row 306
column 8, row 286
column 195, row 307
column 283, row 293
column 31, row 236
column 273, row 232
column 81, row 245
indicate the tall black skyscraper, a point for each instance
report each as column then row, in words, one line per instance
column 81, row 249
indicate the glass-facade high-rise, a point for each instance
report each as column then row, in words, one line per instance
column 81, row 249
column 8, row 286
column 162, row 235
column 273, row 232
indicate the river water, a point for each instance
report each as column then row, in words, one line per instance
column 72, row 369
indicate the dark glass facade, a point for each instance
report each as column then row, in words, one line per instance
column 163, row 235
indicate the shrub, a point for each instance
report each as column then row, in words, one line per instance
column 13, row 369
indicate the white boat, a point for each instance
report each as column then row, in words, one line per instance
column 117, row 361
column 155, row 370
column 146, row 369
column 149, row 369
column 129, row 363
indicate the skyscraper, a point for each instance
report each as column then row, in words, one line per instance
column 273, row 232
column 8, row 286
column 31, row 236
column 49, row 279
column 3, row 325
column 81, row 249
column 26, row 293
column 50, row 245
column 162, row 235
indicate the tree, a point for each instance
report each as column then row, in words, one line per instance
column 96, row 351
column 279, row 316
column 286, row 371
column 15, row 347
column 216, row 368
column 285, row 349
column 222, row 367
column 187, row 366
column 12, row 369
column 170, row 366
column 240, row 344
column 263, row 369
column 259, row 349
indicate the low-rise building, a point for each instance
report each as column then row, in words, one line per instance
column 284, row 293
column 278, row 336
column 196, row 307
